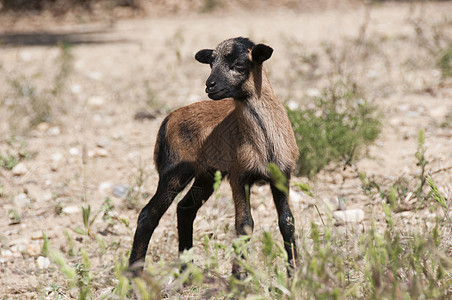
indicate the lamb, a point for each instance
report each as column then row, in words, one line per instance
column 239, row 134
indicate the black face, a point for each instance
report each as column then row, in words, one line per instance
column 231, row 65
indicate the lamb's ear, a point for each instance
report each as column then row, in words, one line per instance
column 204, row 56
column 261, row 53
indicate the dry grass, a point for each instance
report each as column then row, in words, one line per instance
column 66, row 115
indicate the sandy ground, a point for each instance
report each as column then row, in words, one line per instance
column 92, row 143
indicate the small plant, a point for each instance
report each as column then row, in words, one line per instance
column 78, row 276
column 14, row 217
column 123, row 287
column 445, row 62
column 88, row 220
column 135, row 193
column 8, row 162
column 341, row 124
column 45, row 245
column 278, row 178
column 84, row 276
column 422, row 162
column 70, row 243
column 34, row 104
column 17, row 153
column 305, row 188
column 109, row 217
column 439, row 198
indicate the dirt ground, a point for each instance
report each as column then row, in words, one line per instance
column 91, row 146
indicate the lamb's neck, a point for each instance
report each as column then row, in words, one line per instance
column 255, row 122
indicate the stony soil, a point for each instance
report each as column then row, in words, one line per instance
column 92, row 145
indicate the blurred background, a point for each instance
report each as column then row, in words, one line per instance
column 84, row 86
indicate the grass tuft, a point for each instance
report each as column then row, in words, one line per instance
column 340, row 125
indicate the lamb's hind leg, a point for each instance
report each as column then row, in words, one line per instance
column 188, row 207
column 170, row 184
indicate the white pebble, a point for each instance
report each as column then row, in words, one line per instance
column 56, row 157
column 6, row 252
column 292, row 105
column 96, row 101
column 21, row 199
column 71, row 210
column 348, row 216
column 76, row 89
column 74, row 151
column 42, row 262
column 100, row 152
column 54, row 131
column 20, row 169
column 105, row 187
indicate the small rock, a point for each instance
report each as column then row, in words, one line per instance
column 292, row 105
column 71, row 209
column 43, row 127
column 37, row 235
column 313, row 92
column 371, row 74
column 296, row 197
column 95, row 75
column 348, row 216
column 33, row 249
column 21, row 200
column 54, row 131
column 76, row 88
column 6, row 252
column 74, row 151
column 105, row 143
column 105, row 187
column 26, row 55
column 101, row 152
column 42, row 262
column 121, row 191
column 33, row 191
column 56, row 157
column 20, row 169
column 332, row 204
column 18, row 249
column 96, row 101
column 405, row 214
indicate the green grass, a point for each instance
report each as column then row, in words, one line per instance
column 35, row 104
column 336, row 130
column 377, row 261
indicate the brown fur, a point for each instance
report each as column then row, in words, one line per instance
column 238, row 137
column 224, row 135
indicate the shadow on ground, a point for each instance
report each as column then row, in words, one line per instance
column 54, row 39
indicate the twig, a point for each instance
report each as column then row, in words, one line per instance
column 319, row 214
column 441, row 170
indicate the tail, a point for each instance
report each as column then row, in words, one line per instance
column 161, row 149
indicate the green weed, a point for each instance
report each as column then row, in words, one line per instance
column 17, row 152
column 34, row 104
column 135, row 193
column 88, row 220
column 337, row 129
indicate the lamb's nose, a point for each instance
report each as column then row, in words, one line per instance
column 210, row 84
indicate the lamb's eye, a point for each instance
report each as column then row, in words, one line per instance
column 239, row 67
